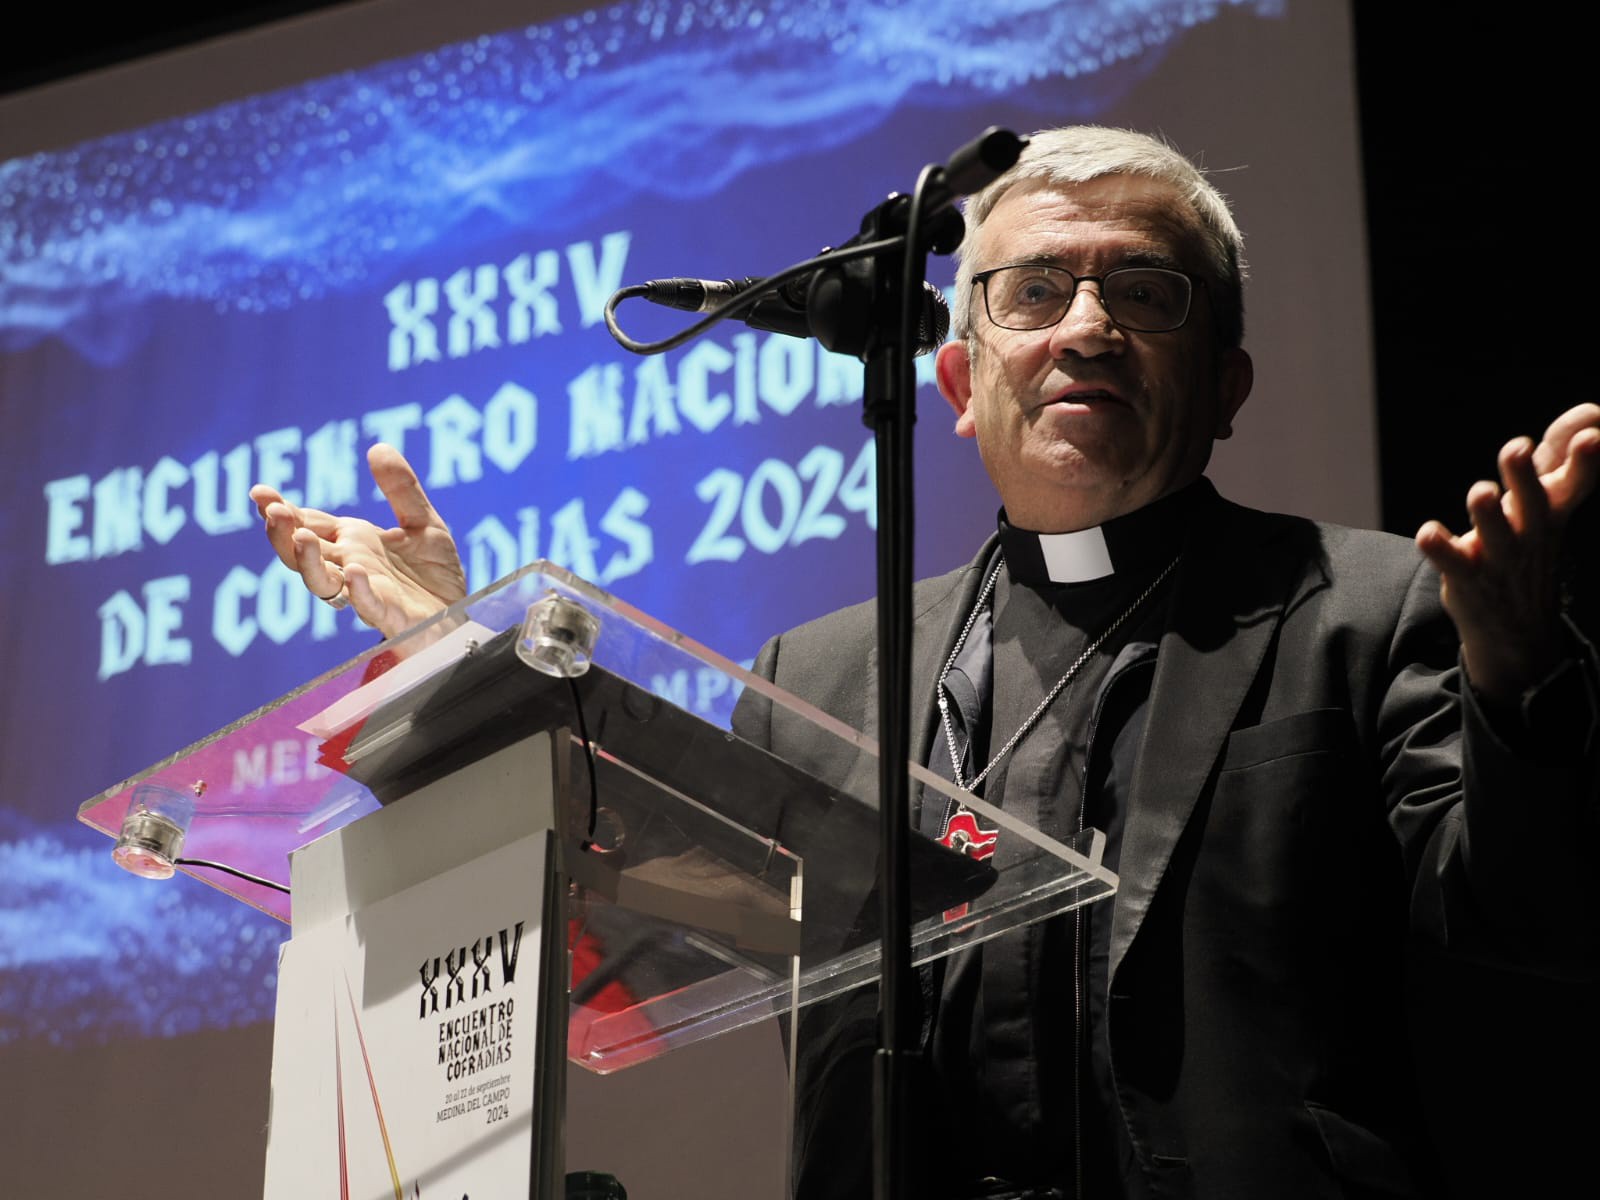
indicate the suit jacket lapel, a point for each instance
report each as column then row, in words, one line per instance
column 938, row 609
column 936, row 624
column 1231, row 591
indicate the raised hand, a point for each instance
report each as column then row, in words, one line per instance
column 1499, row 578
column 394, row 577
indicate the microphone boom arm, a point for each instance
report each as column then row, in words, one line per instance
column 740, row 302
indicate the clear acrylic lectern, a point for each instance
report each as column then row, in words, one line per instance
column 693, row 882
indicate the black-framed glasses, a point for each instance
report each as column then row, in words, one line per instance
column 1137, row 299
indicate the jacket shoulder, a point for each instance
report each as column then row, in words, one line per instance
column 1341, row 552
column 856, row 628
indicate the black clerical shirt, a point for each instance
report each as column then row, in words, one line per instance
column 1019, row 1043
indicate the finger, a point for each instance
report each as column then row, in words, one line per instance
column 364, row 598
column 1446, row 552
column 324, row 525
column 323, row 579
column 281, row 522
column 1578, row 477
column 1554, row 447
column 264, row 497
column 281, row 516
column 1525, row 502
column 401, row 487
column 1489, row 519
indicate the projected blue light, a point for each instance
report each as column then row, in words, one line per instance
column 275, row 200
column 263, row 289
column 88, row 954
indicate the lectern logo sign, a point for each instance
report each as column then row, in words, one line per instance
column 377, row 1108
column 450, row 973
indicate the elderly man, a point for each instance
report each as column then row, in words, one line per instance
column 1297, row 759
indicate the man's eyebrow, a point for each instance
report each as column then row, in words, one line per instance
column 1134, row 258
column 1152, row 258
column 1038, row 260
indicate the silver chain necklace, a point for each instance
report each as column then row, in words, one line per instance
column 944, row 699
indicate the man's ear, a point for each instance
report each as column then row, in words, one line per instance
column 1235, row 376
column 953, row 370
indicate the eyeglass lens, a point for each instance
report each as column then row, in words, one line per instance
column 1141, row 299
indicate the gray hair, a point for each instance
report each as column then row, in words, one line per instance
column 1079, row 153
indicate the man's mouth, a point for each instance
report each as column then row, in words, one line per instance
column 1085, row 396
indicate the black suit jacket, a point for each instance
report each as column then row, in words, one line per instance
column 1311, row 790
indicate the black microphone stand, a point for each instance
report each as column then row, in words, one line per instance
column 865, row 302
column 868, row 308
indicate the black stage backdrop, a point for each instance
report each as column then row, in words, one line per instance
column 1478, row 242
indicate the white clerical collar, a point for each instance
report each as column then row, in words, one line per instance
column 1135, row 542
column 1076, row 557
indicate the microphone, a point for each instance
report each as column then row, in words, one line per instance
column 783, row 310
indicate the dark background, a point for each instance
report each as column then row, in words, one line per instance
column 1469, row 131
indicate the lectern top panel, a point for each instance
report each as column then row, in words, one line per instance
column 305, row 764
column 716, row 832
column 308, row 762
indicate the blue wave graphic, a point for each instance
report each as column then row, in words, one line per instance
column 259, row 204
column 89, row 953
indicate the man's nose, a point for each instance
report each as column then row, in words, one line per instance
column 1086, row 328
